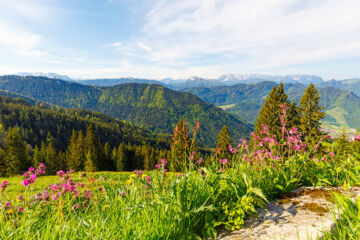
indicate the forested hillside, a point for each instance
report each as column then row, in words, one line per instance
column 245, row 101
column 148, row 105
column 39, row 124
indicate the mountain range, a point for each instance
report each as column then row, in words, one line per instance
column 152, row 106
column 245, row 100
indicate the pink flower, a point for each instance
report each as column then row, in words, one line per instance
column 25, row 182
column 199, row 161
column 31, row 169
column 20, row 209
column 163, row 161
column 357, row 138
column 158, row 166
column 3, row 185
column 8, row 204
column 148, row 179
column 331, row 154
column 76, row 206
column 54, row 197
column 179, row 175
column 60, row 173
column 223, row 161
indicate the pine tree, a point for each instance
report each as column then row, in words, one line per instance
column 17, row 157
column 95, row 160
column 108, row 157
column 311, row 113
column 180, row 145
column 270, row 112
column 223, row 143
column 342, row 144
column 3, row 172
column 52, row 160
column 121, row 157
column 75, row 153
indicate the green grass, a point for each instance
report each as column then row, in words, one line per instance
column 193, row 205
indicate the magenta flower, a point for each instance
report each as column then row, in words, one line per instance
column 3, row 185
column 31, row 169
column 25, row 182
column 357, row 138
column 158, row 166
column 76, row 206
column 199, row 161
column 20, row 209
column 163, row 162
column 331, row 154
column 223, row 161
column 148, row 179
column 20, row 197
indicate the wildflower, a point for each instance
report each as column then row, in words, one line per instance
column 331, row 154
column 357, row 138
column 25, row 182
column 101, row 189
column 76, row 206
column 8, row 204
column 54, row 197
column 3, row 185
column 163, row 162
column 179, row 175
column 60, row 173
column 148, row 179
column 20, row 209
column 87, row 194
column 20, row 197
column 31, row 169
column 158, row 166
column 223, row 161
column 123, row 194
column 199, row 161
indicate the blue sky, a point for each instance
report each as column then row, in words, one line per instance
column 180, row 38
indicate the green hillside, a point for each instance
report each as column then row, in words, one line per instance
column 38, row 123
column 147, row 105
column 245, row 101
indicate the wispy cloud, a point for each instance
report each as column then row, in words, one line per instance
column 254, row 34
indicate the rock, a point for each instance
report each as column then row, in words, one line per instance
column 300, row 214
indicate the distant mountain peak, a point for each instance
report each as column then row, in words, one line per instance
column 48, row 75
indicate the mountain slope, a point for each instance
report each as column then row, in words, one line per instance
column 151, row 106
column 352, row 85
column 245, row 101
column 38, row 123
column 105, row 82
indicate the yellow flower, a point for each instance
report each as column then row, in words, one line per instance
column 129, row 181
column 10, row 211
column 132, row 176
column 144, row 176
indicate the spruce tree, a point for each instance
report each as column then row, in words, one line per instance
column 75, row 153
column 3, row 168
column 52, row 160
column 311, row 113
column 270, row 112
column 95, row 160
column 342, row 144
column 108, row 157
column 17, row 157
column 180, row 145
column 121, row 157
column 223, row 143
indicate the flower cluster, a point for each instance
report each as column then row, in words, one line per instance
column 3, row 186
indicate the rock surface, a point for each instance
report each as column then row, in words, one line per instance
column 301, row 214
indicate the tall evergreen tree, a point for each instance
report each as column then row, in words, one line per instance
column 75, row 153
column 180, row 146
column 17, row 157
column 3, row 167
column 96, row 159
column 311, row 113
column 223, row 143
column 52, row 160
column 121, row 157
column 270, row 112
column 108, row 157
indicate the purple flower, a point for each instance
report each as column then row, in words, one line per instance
column 163, row 161
column 25, row 182
column 31, row 169
column 331, row 154
column 3, row 185
column 76, row 206
column 148, row 179
column 223, row 161
column 158, row 166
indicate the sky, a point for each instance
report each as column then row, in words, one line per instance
column 180, row 38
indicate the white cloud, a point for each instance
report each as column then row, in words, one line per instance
column 256, row 34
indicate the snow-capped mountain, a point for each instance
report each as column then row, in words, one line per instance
column 229, row 79
column 49, row 75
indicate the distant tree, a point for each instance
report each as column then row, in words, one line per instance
column 52, row 160
column 180, row 146
column 108, row 164
column 121, row 157
column 75, row 152
column 269, row 114
column 95, row 160
column 223, row 143
column 3, row 167
column 311, row 113
column 17, row 157
column 342, row 144
column 39, row 155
